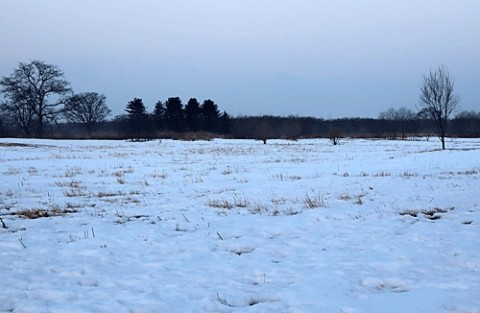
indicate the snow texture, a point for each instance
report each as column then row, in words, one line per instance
column 238, row 226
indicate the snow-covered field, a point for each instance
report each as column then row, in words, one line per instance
column 238, row 226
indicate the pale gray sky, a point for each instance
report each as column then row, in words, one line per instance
column 340, row 58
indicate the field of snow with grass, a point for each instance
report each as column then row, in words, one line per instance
column 238, row 226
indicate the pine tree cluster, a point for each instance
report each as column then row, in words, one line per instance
column 173, row 116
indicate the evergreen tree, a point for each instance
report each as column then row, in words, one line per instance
column 225, row 123
column 174, row 116
column 210, row 116
column 137, row 118
column 159, row 115
column 192, row 115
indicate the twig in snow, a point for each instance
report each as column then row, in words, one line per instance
column 222, row 301
column 185, row 218
column 219, row 236
column 3, row 224
column 21, row 241
column 213, row 166
column 93, row 233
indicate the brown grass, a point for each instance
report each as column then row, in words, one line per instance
column 38, row 213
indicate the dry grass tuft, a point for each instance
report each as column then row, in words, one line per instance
column 472, row 171
column 12, row 171
column 407, row 174
column 315, row 202
column 72, row 184
column 238, row 202
column 412, row 213
column 259, row 208
column 359, row 200
column 220, row 204
column 382, row 174
column 73, row 171
column 105, row 194
column 38, row 213
column 431, row 214
column 76, row 193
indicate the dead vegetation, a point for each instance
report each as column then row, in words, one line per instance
column 17, row 144
column 39, row 213
column 431, row 214
column 315, row 202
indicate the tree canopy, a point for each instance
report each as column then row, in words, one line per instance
column 28, row 91
column 86, row 108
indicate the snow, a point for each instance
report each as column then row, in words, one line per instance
column 238, row 226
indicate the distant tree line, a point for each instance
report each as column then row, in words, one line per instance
column 39, row 102
column 147, row 126
column 464, row 124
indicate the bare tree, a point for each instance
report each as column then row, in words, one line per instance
column 263, row 130
column 28, row 90
column 21, row 114
column 399, row 120
column 335, row 135
column 292, row 128
column 438, row 100
column 87, row 108
column 401, row 114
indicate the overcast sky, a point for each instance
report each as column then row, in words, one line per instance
column 328, row 59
